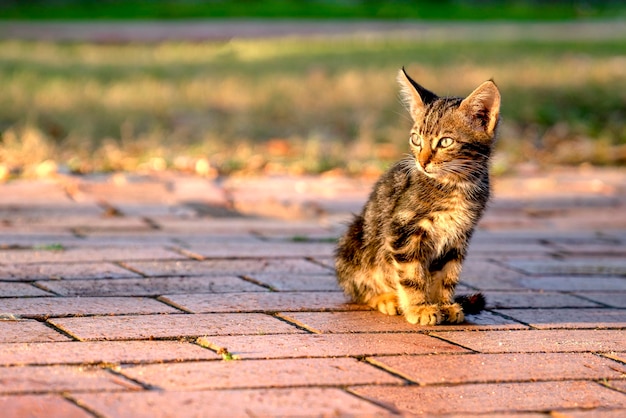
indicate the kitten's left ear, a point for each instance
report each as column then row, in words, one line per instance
column 483, row 106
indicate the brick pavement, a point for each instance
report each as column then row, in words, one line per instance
column 164, row 295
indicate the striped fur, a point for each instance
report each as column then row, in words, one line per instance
column 403, row 254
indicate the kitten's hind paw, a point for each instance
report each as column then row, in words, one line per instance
column 423, row 315
column 386, row 303
column 453, row 313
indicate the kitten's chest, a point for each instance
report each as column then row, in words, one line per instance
column 445, row 224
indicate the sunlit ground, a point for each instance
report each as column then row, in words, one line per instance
column 294, row 105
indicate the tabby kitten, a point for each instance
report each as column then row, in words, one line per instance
column 403, row 253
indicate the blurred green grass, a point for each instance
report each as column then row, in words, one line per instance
column 295, row 105
column 313, row 9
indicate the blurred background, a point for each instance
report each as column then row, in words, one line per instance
column 298, row 87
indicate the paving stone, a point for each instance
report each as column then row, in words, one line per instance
column 30, row 272
column 574, row 283
column 150, row 286
column 485, row 368
column 494, row 397
column 618, row 356
column 613, row 299
column 142, row 327
column 574, row 266
column 599, row 412
column 20, row 289
column 528, row 299
column 258, row 374
column 298, row 282
column 50, row 379
column 223, row 266
column 40, row 406
column 320, row 402
column 619, row 385
column 261, row 249
column 90, row 222
column 370, row 321
column 486, row 275
column 594, row 249
column 328, row 345
column 59, row 306
column 82, row 254
column 478, row 248
column 568, row 318
column 110, row 352
column 263, row 302
column 537, row 341
column 26, row 330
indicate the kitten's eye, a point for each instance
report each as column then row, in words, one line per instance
column 445, row 142
column 415, row 140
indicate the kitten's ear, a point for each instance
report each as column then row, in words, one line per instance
column 414, row 96
column 483, row 106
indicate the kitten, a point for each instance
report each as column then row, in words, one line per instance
column 403, row 253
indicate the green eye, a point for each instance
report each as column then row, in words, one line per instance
column 415, row 140
column 445, row 142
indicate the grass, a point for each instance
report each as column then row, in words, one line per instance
column 294, row 105
column 312, row 9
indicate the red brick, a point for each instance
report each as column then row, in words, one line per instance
column 371, row 321
column 329, row 345
column 600, row 412
column 619, row 385
column 59, row 306
column 84, row 222
column 220, row 267
column 82, row 254
column 43, row 379
column 530, row 299
column 29, row 272
column 76, row 352
column 264, row 302
column 568, row 318
column 490, row 398
column 261, row 249
column 621, row 356
column 12, row 289
column 536, row 341
column 515, row 367
column 27, row 331
column 143, row 327
column 258, row 374
column 231, row 403
column 150, row 286
column 298, row 282
column 40, row 406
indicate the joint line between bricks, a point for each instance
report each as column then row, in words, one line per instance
column 296, row 323
column 388, row 407
column 125, row 266
column 72, row 399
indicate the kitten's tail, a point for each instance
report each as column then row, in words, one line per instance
column 471, row 304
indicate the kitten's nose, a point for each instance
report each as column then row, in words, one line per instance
column 424, row 158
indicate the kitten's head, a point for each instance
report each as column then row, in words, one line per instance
column 452, row 138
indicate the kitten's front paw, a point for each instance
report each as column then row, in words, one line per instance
column 453, row 313
column 423, row 315
column 386, row 303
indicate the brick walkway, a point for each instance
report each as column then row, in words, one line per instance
column 126, row 296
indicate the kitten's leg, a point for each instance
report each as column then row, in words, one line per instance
column 386, row 303
column 444, row 282
column 412, row 298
